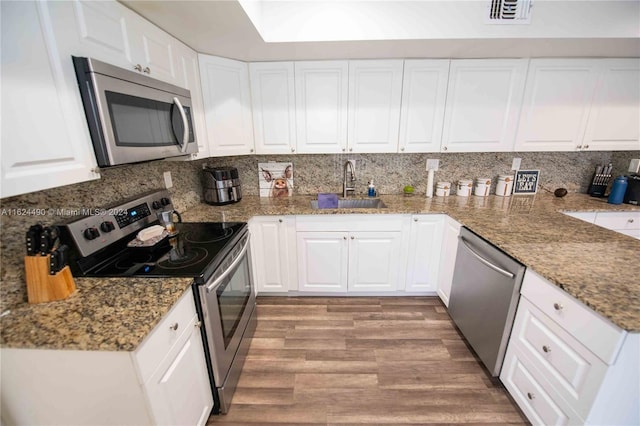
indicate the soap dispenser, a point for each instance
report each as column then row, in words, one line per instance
column 372, row 189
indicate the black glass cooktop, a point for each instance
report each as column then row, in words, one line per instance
column 194, row 251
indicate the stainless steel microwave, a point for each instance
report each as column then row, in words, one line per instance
column 133, row 117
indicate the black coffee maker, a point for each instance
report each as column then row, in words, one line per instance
column 632, row 196
column 221, row 185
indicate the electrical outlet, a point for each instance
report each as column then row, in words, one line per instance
column 634, row 165
column 515, row 165
column 168, row 183
column 433, row 164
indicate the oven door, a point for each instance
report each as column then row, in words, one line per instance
column 227, row 302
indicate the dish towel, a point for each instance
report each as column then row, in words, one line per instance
column 327, row 201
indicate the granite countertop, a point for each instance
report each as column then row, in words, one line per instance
column 103, row 314
column 597, row 266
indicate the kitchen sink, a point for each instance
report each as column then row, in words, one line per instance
column 362, row 203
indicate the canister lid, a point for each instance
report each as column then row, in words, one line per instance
column 465, row 181
column 443, row 185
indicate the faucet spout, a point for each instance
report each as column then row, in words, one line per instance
column 347, row 184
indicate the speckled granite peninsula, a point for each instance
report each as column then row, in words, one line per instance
column 595, row 265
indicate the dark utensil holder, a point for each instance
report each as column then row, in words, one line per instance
column 599, row 184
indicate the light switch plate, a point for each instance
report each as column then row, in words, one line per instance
column 634, row 165
column 168, row 183
column 515, row 165
column 433, row 164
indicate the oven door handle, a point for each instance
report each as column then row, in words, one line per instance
column 230, row 269
column 185, row 123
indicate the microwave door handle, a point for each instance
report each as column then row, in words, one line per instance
column 214, row 284
column 185, row 132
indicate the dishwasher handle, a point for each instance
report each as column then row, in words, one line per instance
column 485, row 261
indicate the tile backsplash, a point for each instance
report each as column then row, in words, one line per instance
column 313, row 174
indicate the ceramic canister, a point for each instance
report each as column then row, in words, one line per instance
column 443, row 189
column 504, row 186
column 464, row 188
column 482, row 187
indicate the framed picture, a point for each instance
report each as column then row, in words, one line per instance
column 526, row 182
column 275, row 179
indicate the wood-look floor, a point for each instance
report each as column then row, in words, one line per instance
column 363, row 360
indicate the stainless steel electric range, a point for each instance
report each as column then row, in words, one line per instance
column 216, row 255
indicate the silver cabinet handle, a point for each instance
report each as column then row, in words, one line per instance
column 198, row 324
column 530, row 395
column 343, row 149
column 558, row 306
column 353, row 238
column 630, row 220
column 138, row 68
column 174, row 327
column 546, row 349
column 185, row 123
column 280, row 220
column 444, row 148
column 146, row 70
column 586, row 147
column 402, row 149
column 293, row 150
column 485, row 261
column 230, row 269
column 344, row 238
column 251, row 150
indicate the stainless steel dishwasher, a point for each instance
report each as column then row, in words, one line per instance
column 484, row 297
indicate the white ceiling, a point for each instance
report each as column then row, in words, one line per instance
column 398, row 29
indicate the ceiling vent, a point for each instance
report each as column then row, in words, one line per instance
column 509, row 11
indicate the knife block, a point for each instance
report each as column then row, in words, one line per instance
column 44, row 287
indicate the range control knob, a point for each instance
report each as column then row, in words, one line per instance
column 165, row 201
column 156, row 205
column 91, row 233
column 107, row 226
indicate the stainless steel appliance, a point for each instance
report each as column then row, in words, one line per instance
column 215, row 255
column 484, row 295
column 221, row 185
column 133, row 117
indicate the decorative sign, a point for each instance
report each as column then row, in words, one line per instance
column 526, row 182
column 275, row 179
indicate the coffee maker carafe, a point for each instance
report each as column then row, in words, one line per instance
column 221, row 185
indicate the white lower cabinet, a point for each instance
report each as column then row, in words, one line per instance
column 425, row 250
column 360, row 253
column 449, row 248
column 163, row 382
column 567, row 365
column 627, row 223
column 273, row 250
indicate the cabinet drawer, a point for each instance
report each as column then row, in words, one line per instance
column 618, row 220
column 571, row 369
column 347, row 223
column 158, row 343
column 537, row 404
column 596, row 333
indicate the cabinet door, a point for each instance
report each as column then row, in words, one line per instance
column 322, row 261
column 483, row 102
column 614, row 119
column 425, row 245
column 375, row 90
column 153, row 49
column 45, row 140
column 271, row 249
column 451, row 231
column 189, row 78
column 424, row 90
column 96, row 29
column 374, row 261
column 321, row 106
column 556, row 104
column 227, row 106
column 273, row 101
column 179, row 391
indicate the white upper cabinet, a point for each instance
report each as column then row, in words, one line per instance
column 483, row 102
column 227, row 105
column 424, row 90
column 273, row 101
column 189, row 78
column 321, row 106
column 614, row 118
column 375, row 90
column 556, row 104
column 45, row 141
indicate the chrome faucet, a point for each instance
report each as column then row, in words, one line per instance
column 345, row 186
